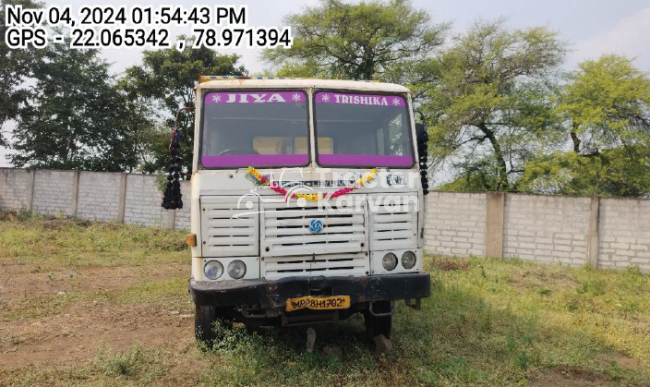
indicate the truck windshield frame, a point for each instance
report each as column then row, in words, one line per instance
column 244, row 101
column 372, row 102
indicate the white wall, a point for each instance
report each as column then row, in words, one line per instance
column 455, row 224
column 99, row 195
column 538, row 228
column 94, row 196
column 625, row 233
column 542, row 228
column 549, row 229
column 53, row 192
column 15, row 191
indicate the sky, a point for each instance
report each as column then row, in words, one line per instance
column 590, row 27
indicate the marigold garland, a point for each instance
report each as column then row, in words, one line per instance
column 257, row 178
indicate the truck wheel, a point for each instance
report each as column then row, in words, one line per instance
column 375, row 325
column 204, row 320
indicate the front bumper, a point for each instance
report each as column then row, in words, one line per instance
column 274, row 294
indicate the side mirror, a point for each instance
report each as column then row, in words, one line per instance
column 423, row 155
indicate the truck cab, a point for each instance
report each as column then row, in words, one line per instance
column 306, row 203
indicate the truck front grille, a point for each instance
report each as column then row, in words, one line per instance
column 286, row 230
column 325, row 265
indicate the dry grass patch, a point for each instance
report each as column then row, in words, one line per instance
column 125, row 318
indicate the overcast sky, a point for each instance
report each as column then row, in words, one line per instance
column 591, row 27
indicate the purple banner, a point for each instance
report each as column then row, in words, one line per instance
column 253, row 97
column 254, row 160
column 359, row 99
column 365, row 160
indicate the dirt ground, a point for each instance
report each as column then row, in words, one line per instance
column 25, row 281
column 83, row 327
column 74, row 332
column 96, row 304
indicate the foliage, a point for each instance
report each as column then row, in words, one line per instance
column 14, row 68
column 167, row 78
column 498, row 116
column 73, row 117
column 606, row 106
column 489, row 103
column 146, row 137
column 614, row 172
column 355, row 41
column 474, row 176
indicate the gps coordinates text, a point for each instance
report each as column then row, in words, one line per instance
column 100, row 26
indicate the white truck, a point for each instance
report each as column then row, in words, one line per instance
column 304, row 208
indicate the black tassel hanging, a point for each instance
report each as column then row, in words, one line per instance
column 172, row 199
column 423, row 152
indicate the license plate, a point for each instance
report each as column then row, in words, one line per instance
column 318, row 303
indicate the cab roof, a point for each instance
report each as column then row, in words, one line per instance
column 234, row 82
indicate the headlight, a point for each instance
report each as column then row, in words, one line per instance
column 389, row 262
column 237, row 269
column 213, row 269
column 408, row 260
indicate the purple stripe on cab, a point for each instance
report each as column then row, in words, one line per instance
column 256, row 97
column 359, row 99
column 365, row 160
column 254, row 160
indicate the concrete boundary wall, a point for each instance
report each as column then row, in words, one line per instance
column 575, row 231
column 550, row 229
column 118, row 197
column 455, row 225
column 16, row 189
column 572, row 231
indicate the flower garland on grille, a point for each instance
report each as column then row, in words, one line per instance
column 258, row 179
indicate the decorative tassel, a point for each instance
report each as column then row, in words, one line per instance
column 423, row 152
column 172, row 198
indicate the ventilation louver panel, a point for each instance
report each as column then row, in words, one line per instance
column 225, row 236
column 393, row 228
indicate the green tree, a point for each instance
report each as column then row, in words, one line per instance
column 145, row 135
column 72, row 118
column 167, row 78
column 356, row 41
column 15, row 66
column 489, row 103
column 606, row 105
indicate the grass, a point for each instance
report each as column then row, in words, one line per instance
column 488, row 322
column 54, row 243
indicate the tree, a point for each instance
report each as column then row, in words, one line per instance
column 71, row 120
column 489, row 103
column 606, row 107
column 355, row 41
column 15, row 66
column 145, row 135
column 167, row 78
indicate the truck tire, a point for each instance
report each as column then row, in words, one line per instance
column 375, row 325
column 204, row 319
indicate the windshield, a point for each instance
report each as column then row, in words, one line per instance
column 258, row 128
column 362, row 130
